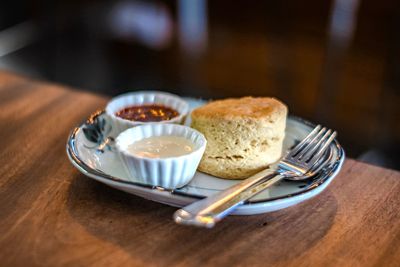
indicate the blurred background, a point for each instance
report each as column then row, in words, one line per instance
column 332, row 62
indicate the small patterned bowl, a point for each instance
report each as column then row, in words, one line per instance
column 145, row 97
column 170, row 172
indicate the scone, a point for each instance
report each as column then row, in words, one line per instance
column 244, row 135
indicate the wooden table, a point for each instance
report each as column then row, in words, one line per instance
column 52, row 215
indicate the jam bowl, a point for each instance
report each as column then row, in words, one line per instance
column 143, row 107
column 150, row 157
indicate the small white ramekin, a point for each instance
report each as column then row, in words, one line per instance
column 144, row 97
column 171, row 172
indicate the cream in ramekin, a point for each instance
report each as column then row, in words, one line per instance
column 167, row 172
column 127, row 100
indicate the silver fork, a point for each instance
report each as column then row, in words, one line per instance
column 302, row 162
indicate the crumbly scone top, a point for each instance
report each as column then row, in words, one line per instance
column 251, row 107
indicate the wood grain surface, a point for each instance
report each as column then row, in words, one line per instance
column 52, row 215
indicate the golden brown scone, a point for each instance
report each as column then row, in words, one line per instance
column 244, row 135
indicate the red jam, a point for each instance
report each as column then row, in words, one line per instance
column 147, row 113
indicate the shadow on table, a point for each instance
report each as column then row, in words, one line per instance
column 145, row 229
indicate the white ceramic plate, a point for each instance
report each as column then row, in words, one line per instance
column 90, row 148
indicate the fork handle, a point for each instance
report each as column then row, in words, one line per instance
column 210, row 210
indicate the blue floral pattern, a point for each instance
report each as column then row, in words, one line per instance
column 96, row 130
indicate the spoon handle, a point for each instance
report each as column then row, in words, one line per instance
column 210, row 210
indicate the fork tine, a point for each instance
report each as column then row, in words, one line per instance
column 319, row 164
column 320, row 148
column 301, row 145
column 314, row 145
column 311, row 144
column 326, row 145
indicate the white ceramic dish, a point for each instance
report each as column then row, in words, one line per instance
column 140, row 98
column 91, row 150
column 171, row 172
